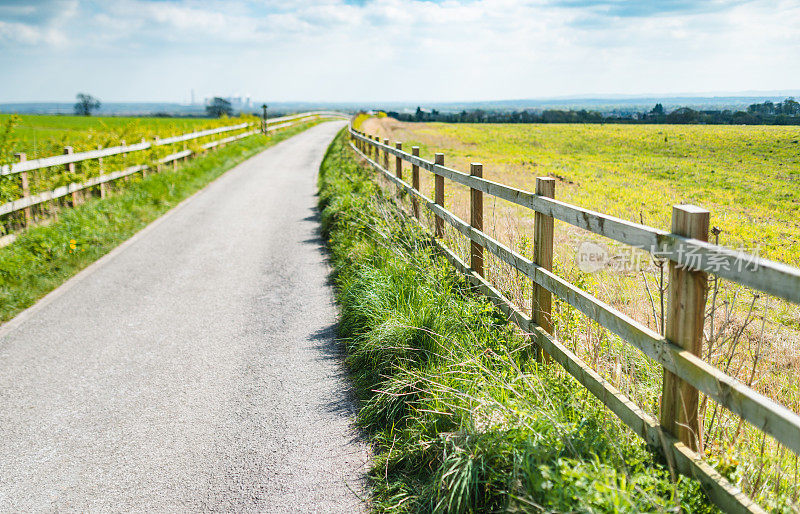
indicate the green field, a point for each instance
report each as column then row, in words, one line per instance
column 40, row 135
column 748, row 177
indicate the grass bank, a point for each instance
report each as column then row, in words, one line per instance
column 43, row 257
column 459, row 417
column 744, row 175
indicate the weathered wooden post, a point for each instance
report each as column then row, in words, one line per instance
column 476, row 219
column 684, row 327
column 415, row 182
column 26, row 190
column 158, row 161
column 100, row 173
column 541, row 305
column 438, row 227
column 398, row 161
column 264, row 119
column 70, row 168
column 386, row 154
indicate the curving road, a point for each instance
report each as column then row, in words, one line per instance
column 193, row 368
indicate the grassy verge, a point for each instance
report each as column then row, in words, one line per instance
column 43, row 257
column 460, row 419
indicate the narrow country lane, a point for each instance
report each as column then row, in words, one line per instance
column 195, row 367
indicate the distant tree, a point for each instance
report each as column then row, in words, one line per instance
column 219, row 107
column 419, row 114
column 658, row 110
column 86, row 104
column 791, row 107
column 683, row 115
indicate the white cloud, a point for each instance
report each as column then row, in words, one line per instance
column 414, row 49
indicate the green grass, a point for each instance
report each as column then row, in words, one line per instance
column 42, row 135
column 42, row 258
column 459, row 418
column 747, row 176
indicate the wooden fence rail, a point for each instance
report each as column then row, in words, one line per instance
column 691, row 257
column 69, row 159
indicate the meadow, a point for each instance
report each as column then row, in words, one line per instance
column 746, row 176
column 43, row 135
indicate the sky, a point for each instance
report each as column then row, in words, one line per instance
column 394, row 50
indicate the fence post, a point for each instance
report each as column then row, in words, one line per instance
column 26, row 191
column 398, row 162
column 386, row 155
column 125, row 159
column 100, row 173
column 415, row 182
column 158, row 162
column 144, row 170
column 438, row 227
column 684, row 327
column 541, row 306
column 70, row 168
column 476, row 219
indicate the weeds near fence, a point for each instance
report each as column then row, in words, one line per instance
column 751, row 336
column 460, row 418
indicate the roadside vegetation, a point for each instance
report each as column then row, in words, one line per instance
column 459, row 416
column 744, row 175
column 44, row 256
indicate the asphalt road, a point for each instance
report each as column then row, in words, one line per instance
column 193, row 368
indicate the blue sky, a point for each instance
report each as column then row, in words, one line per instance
column 405, row 50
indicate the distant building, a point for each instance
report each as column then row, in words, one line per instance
column 237, row 102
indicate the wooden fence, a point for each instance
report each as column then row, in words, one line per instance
column 690, row 257
column 68, row 159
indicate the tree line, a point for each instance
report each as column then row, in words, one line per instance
column 767, row 113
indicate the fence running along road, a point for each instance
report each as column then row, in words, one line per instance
column 690, row 257
column 69, row 159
